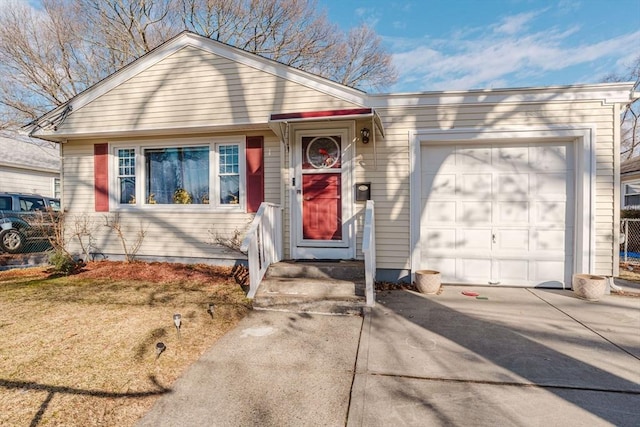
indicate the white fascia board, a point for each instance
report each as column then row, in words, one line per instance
column 30, row 168
column 116, row 133
column 609, row 93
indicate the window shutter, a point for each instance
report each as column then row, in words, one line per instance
column 255, row 172
column 101, row 177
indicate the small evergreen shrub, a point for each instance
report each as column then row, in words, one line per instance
column 64, row 263
column 630, row 213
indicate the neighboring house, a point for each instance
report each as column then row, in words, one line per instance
column 630, row 184
column 29, row 165
column 516, row 187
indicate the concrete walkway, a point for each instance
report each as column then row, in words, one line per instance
column 519, row 357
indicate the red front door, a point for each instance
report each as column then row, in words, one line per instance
column 321, row 207
column 322, row 188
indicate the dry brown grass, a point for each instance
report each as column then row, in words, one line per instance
column 80, row 350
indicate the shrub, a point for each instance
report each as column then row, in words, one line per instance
column 64, row 263
column 630, row 213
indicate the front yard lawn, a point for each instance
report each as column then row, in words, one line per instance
column 81, row 350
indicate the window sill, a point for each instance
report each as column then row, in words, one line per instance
column 179, row 208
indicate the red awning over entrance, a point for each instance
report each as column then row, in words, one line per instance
column 278, row 121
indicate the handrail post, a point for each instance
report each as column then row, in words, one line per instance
column 262, row 243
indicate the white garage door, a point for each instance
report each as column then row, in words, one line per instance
column 500, row 214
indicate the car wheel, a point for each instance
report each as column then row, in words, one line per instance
column 11, row 241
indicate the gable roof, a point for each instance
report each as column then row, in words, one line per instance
column 333, row 96
column 28, row 153
column 51, row 120
column 630, row 166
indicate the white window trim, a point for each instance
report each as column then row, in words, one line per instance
column 215, row 170
column 140, row 146
column 53, row 187
column 114, row 190
column 624, row 193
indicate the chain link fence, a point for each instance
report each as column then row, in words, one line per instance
column 630, row 241
column 27, row 232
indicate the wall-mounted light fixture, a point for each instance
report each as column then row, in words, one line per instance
column 364, row 135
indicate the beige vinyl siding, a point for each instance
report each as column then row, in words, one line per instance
column 389, row 171
column 177, row 234
column 272, row 166
column 27, row 181
column 193, row 88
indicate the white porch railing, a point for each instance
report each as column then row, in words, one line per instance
column 369, row 250
column 263, row 243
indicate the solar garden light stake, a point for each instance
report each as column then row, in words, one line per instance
column 160, row 347
column 177, row 320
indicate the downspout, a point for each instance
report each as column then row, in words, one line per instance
column 616, row 190
column 284, row 131
column 61, row 153
column 375, row 152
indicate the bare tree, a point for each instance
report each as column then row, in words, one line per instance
column 42, row 61
column 364, row 63
column 123, row 30
column 629, row 122
column 48, row 56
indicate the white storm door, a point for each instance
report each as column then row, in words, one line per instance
column 321, row 199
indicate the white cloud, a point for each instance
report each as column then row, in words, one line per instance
column 515, row 23
column 368, row 15
column 504, row 54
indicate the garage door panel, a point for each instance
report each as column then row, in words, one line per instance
column 475, row 213
column 551, row 186
column 439, row 212
column 513, row 212
column 441, row 238
column 512, row 271
column 512, row 240
column 474, row 270
column 513, row 186
column 499, row 213
column 549, row 270
column 471, row 158
column 477, row 186
column 511, row 158
column 552, row 212
column 436, row 187
column 545, row 157
column 474, row 239
column 549, row 240
column 440, row 159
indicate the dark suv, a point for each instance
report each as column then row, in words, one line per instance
column 26, row 218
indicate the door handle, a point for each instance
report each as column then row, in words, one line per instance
column 493, row 238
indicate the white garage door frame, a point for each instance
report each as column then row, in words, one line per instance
column 583, row 138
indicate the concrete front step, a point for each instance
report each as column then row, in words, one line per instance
column 313, row 287
column 340, row 270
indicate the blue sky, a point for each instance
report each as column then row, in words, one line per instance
column 473, row 44
column 476, row 44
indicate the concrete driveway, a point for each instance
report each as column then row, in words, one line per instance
column 520, row 357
